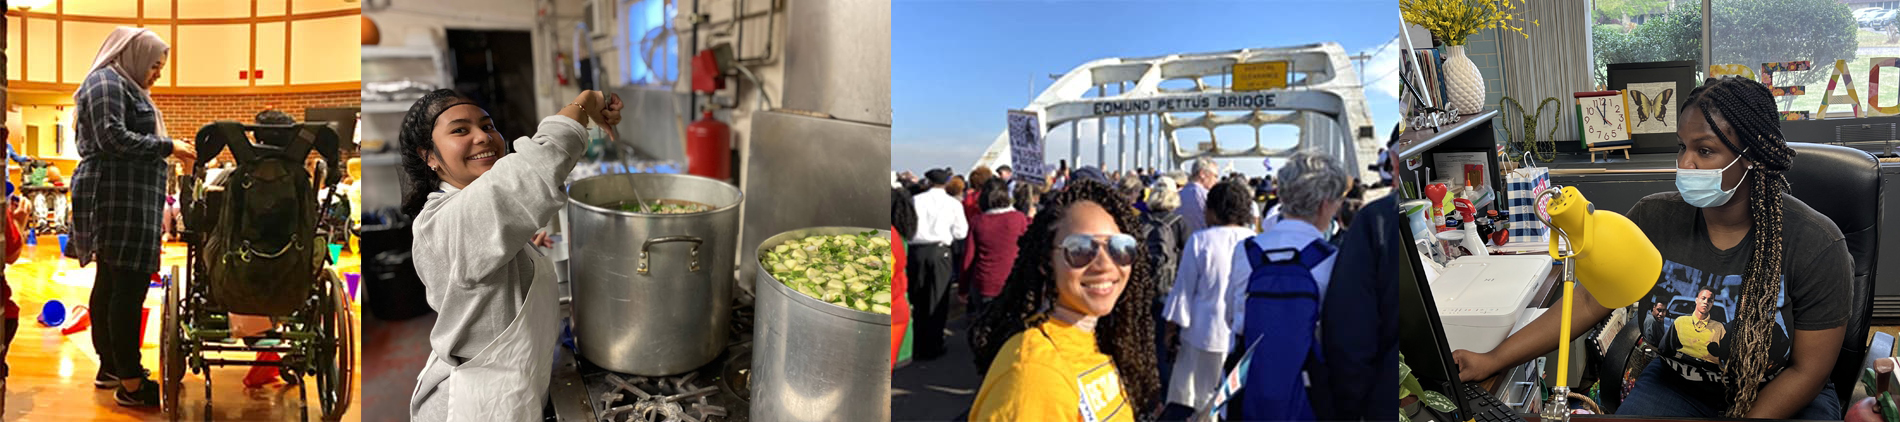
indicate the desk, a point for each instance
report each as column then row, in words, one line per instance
column 1613, row 418
column 1548, row 294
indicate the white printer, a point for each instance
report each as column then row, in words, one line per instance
column 1480, row 298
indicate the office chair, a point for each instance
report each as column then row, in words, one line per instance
column 1844, row 185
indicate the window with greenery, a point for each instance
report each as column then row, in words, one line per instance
column 1748, row 33
column 1636, row 31
column 1752, row 32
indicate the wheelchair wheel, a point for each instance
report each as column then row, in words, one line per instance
column 171, row 350
column 336, row 362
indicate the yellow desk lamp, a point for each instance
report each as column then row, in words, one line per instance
column 1608, row 254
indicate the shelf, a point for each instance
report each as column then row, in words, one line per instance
column 398, row 107
column 383, row 159
column 372, row 52
column 1444, row 133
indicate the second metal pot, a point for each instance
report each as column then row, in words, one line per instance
column 652, row 292
column 813, row 360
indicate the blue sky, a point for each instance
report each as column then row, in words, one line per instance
column 958, row 66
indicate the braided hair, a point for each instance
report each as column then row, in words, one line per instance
column 417, row 138
column 1749, row 111
column 1126, row 335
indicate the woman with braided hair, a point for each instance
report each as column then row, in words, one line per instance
column 1781, row 271
column 476, row 206
column 1071, row 337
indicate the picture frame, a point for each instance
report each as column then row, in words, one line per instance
column 1681, row 73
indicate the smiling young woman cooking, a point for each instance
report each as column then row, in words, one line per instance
column 1781, row 271
column 476, row 208
column 1071, row 337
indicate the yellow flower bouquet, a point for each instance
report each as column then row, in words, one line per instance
column 1451, row 21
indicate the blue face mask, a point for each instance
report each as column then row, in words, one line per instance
column 1703, row 188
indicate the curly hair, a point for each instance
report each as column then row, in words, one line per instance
column 417, row 138
column 1749, row 110
column 1126, row 335
column 1230, row 203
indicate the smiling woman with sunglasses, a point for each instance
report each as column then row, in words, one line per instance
column 1069, row 338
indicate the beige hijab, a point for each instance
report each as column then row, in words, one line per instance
column 132, row 52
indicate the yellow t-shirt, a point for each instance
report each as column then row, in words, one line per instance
column 1052, row 372
column 1695, row 337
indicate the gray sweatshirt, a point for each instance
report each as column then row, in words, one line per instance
column 471, row 245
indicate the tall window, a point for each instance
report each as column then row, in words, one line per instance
column 652, row 51
column 1745, row 34
column 1636, row 31
column 1749, row 33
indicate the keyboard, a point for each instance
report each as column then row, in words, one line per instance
column 1485, row 407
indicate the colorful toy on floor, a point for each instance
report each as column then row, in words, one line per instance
column 263, row 375
column 82, row 319
column 53, row 314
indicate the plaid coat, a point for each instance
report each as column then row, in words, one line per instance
column 118, row 191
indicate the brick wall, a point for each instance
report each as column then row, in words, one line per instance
column 185, row 114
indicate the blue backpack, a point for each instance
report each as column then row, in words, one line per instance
column 1282, row 307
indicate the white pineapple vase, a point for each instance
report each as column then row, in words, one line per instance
column 1464, row 87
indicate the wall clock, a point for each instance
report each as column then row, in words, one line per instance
column 1603, row 118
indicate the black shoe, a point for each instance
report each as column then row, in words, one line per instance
column 931, row 355
column 105, row 381
column 147, row 396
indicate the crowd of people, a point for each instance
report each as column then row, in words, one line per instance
column 1133, row 295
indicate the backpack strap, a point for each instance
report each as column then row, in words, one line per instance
column 299, row 144
column 212, row 139
column 1316, row 252
column 1256, row 257
column 323, row 138
column 240, row 145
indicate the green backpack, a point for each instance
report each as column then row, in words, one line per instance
column 257, row 226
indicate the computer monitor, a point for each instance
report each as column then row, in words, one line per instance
column 1422, row 335
column 343, row 119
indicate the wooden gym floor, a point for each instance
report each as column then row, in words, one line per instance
column 52, row 373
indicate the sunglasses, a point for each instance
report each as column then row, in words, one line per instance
column 1081, row 249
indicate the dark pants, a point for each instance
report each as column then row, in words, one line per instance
column 978, row 304
column 9, row 322
column 118, row 299
column 929, row 272
column 1164, row 343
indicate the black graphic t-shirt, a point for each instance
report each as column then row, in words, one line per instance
column 1687, row 317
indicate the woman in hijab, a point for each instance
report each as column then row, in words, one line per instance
column 119, row 199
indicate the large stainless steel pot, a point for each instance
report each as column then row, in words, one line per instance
column 652, row 293
column 812, row 360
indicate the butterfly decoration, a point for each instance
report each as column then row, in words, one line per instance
column 1656, row 105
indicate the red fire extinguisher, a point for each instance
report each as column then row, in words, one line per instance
column 709, row 148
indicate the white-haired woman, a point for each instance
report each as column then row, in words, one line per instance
column 1312, row 190
column 119, row 199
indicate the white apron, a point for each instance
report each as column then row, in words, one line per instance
column 508, row 379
